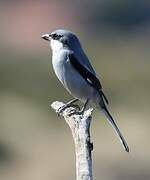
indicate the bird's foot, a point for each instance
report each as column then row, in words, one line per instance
column 64, row 107
column 80, row 111
column 76, row 112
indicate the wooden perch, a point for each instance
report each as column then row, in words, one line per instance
column 80, row 128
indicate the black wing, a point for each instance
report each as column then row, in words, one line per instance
column 89, row 77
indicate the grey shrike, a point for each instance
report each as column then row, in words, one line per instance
column 77, row 75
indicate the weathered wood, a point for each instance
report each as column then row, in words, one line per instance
column 80, row 128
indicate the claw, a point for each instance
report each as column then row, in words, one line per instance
column 75, row 106
column 75, row 112
column 80, row 111
column 61, row 109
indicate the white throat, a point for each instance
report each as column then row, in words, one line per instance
column 56, row 45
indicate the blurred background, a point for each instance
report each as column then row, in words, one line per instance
column 34, row 143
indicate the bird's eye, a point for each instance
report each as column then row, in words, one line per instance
column 56, row 36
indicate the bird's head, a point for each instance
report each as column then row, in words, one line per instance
column 62, row 38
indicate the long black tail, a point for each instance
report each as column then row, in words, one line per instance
column 113, row 124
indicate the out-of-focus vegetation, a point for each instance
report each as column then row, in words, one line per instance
column 34, row 142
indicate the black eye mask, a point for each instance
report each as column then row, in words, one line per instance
column 55, row 36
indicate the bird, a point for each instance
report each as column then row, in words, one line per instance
column 74, row 70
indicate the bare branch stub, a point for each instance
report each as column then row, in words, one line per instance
column 80, row 128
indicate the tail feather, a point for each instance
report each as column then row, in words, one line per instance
column 105, row 98
column 114, row 125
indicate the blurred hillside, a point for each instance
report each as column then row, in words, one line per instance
column 34, row 143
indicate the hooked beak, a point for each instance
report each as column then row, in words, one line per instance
column 46, row 37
